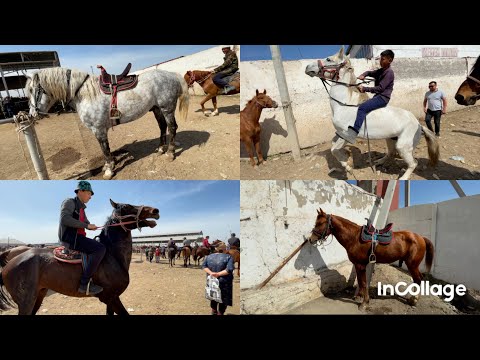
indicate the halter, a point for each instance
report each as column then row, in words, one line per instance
column 192, row 79
column 477, row 81
column 121, row 217
column 39, row 91
column 323, row 235
column 263, row 106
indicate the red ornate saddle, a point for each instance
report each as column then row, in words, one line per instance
column 63, row 254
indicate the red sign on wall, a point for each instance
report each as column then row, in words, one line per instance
column 439, row 52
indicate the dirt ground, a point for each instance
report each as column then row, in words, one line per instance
column 208, row 147
column 155, row 289
column 342, row 303
column 460, row 136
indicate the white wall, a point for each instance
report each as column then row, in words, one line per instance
column 274, row 218
column 453, row 228
column 203, row 60
column 311, row 105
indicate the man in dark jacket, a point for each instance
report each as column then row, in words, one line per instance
column 73, row 223
column 229, row 67
column 234, row 241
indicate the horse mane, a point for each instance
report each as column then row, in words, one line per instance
column 350, row 225
column 54, row 82
column 201, row 72
column 355, row 96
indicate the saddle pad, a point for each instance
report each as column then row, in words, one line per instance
column 230, row 78
column 127, row 83
column 383, row 238
column 68, row 256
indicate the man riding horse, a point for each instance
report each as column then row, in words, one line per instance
column 229, row 67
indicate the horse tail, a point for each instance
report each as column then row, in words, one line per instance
column 184, row 98
column 5, row 300
column 432, row 144
column 429, row 255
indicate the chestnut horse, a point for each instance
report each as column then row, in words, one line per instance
column 250, row 123
column 204, row 79
column 28, row 276
column 469, row 91
column 405, row 245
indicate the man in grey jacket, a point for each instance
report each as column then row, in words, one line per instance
column 73, row 222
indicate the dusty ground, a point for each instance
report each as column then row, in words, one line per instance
column 460, row 135
column 155, row 289
column 208, row 147
column 342, row 303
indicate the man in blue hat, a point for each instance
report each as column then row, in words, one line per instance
column 73, row 223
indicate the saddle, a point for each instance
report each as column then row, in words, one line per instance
column 233, row 77
column 112, row 84
column 382, row 236
column 65, row 254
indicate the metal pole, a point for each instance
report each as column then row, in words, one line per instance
column 457, row 188
column 407, row 193
column 28, row 129
column 286, row 103
column 4, row 81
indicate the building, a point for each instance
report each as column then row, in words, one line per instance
column 414, row 51
column 162, row 239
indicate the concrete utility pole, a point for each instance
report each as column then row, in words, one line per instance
column 457, row 188
column 286, row 103
column 407, row 193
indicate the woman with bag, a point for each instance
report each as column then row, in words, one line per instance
column 220, row 267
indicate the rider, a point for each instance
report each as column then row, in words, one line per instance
column 234, row 241
column 229, row 67
column 207, row 244
column 171, row 244
column 73, row 223
column 186, row 243
column 383, row 90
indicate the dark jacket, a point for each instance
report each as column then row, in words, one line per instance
column 69, row 223
column 230, row 64
column 384, row 79
column 234, row 241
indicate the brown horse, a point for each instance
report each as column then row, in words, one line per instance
column 200, row 253
column 9, row 254
column 28, row 276
column 250, row 123
column 235, row 254
column 469, row 91
column 204, row 79
column 405, row 245
column 186, row 252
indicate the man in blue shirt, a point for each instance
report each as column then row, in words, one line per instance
column 434, row 104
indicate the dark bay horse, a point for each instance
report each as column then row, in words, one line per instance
column 172, row 251
column 405, row 245
column 204, row 79
column 250, row 128
column 199, row 253
column 9, row 254
column 469, row 91
column 28, row 276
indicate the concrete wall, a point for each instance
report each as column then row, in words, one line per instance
column 453, row 228
column 203, row 60
column 275, row 216
column 311, row 105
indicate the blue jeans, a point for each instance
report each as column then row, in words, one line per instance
column 374, row 103
column 218, row 80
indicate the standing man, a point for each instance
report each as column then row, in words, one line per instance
column 73, row 222
column 229, row 67
column 434, row 104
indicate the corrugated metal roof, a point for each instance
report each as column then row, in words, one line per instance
column 17, row 61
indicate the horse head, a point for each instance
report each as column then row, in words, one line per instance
column 264, row 100
column 189, row 78
column 322, row 228
column 336, row 67
column 469, row 91
column 39, row 100
column 133, row 217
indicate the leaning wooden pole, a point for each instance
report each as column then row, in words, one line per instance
column 284, row 262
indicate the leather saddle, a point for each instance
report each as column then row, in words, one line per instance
column 65, row 254
column 121, row 82
column 383, row 236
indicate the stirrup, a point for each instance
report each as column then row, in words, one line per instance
column 372, row 259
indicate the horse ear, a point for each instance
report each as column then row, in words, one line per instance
column 264, row 91
column 256, row 92
column 114, row 204
column 320, row 212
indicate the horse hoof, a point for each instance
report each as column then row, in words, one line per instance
column 362, row 307
column 207, row 114
column 170, row 156
column 108, row 175
column 412, row 301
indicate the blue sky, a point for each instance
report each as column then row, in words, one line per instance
column 433, row 191
column 30, row 210
column 113, row 57
column 289, row 52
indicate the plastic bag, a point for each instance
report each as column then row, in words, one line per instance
column 212, row 289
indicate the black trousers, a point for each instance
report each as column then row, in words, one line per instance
column 437, row 114
column 95, row 252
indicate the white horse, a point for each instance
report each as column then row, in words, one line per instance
column 385, row 123
column 156, row 91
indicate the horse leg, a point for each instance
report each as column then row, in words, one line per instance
column 405, row 150
column 258, row 148
column 417, row 279
column 390, row 153
column 110, row 309
column 208, row 97
column 362, row 285
column 109, row 162
column 248, row 146
column 118, row 307
column 172, row 129
column 340, row 153
column 41, row 295
column 215, row 109
column 162, row 124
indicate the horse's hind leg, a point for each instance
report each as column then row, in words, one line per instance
column 405, row 149
column 340, row 153
column 248, row 146
column 390, row 153
column 202, row 103
column 413, row 268
column 362, row 285
column 162, row 124
column 41, row 295
column 215, row 108
column 172, row 129
column 109, row 162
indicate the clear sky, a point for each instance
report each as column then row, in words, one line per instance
column 433, row 191
column 289, row 52
column 113, row 57
column 30, row 210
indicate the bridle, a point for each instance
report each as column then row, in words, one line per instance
column 322, row 236
column 118, row 217
column 478, row 82
column 193, row 79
